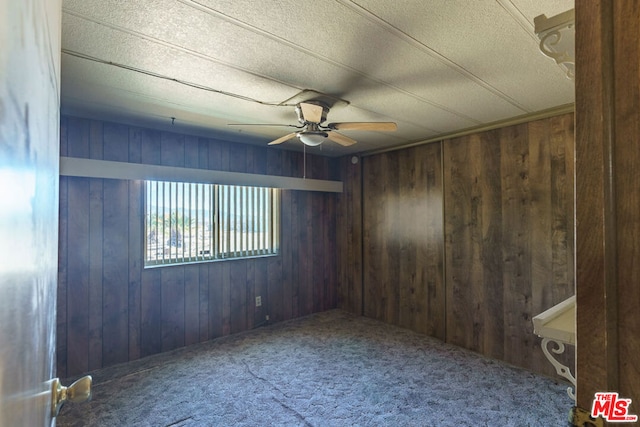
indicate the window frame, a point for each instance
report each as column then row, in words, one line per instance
column 240, row 237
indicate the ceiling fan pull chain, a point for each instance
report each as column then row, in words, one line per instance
column 304, row 161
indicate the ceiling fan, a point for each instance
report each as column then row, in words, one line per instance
column 311, row 116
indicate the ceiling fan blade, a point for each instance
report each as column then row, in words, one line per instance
column 263, row 124
column 340, row 139
column 311, row 112
column 375, row 126
column 283, row 139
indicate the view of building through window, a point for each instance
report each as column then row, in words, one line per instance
column 189, row 222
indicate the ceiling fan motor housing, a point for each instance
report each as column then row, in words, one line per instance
column 301, row 116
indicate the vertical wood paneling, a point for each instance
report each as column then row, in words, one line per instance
column 171, row 149
column 96, row 203
column 78, row 278
column 349, row 237
column 191, row 152
column 215, row 155
column 225, row 296
column 517, row 244
column 329, row 251
column 493, row 210
column 607, row 198
column 122, row 311
column 204, row 302
column 460, row 216
column 203, row 153
column 430, row 252
column 64, row 134
column 150, row 315
column 375, row 197
column 115, row 142
column 191, row 304
column 78, row 137
column 96, row 143
column 317, row 292
column 275, row 288
column 409, row 279
column 135, row 145
column 508, row 210
column 304, row 254
column 488, row 194
column 115, row 250
column 237, row 284
column 115, row 301
column 172, row 307
column 627, row 132
column 403, row 239
column 77, row 288
column 595, row 273
column 216, row 301
column 260, row 288
column 250, row 298
column 286, row 241
column 61, row 295
column 136, row 247
column 150, row 294
column 150, row 147
column 562, row 201
column 540, row 185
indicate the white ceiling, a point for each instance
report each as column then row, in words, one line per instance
column 432, row 66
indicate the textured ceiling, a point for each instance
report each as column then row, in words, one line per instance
column 432, row 66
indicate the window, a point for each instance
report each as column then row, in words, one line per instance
column 187, row 222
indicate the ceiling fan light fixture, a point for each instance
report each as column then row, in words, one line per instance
column 312, row 138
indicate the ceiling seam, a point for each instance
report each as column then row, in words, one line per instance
column 435, row 55
column 180, row 49
column 185, row 83
column 274, row 37
column 519, row 17
column 198, row 6
column 164, row 77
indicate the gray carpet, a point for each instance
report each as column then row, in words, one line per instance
column 328, row 369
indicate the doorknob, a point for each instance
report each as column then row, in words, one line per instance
column 79, row 391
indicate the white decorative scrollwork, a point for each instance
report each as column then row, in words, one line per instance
column 557, row 39
column 561, row 369
column 552, row 40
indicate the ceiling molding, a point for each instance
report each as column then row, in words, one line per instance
column 551, row 112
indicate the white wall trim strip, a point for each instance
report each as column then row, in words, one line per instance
column 89, row 168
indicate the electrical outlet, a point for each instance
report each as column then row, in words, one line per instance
column 258, row 301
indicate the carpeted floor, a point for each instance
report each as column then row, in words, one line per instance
column 328, row 369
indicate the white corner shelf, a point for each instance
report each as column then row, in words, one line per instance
column 557, row 325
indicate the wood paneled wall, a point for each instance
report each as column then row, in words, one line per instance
column 403, row 240
column 466, row 239
column 349, row 238
column 607, row 200
column 509, row 236
column 112, row 310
